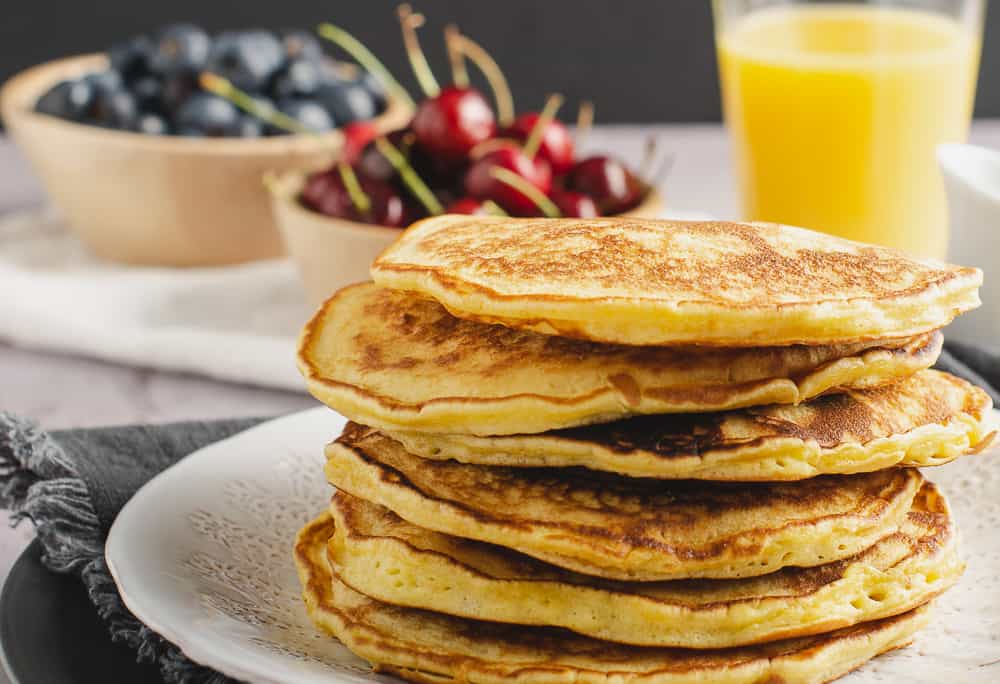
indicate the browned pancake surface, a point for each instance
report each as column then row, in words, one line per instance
column 627, row 528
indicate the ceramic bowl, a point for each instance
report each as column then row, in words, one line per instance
column 160, row 200
column 331, row 252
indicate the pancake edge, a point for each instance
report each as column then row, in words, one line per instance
column 826, row 660
column 446, row 585
column 770, row 459
column 831, row 538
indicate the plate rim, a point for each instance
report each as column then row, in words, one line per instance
column 216, row 660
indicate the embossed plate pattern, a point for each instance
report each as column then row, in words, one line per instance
column 202, row 554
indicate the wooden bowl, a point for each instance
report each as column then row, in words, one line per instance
column 160, row 200
column 331, row 252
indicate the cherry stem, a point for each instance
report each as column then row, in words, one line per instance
column 410, row 177
column 537, row 197
column 363, row 56
column 494, row 209
column 459, row 74
column 584, row 121
column 534, row 140
column 648, row 156
column 409, row 22
column 359, row 198
column 491, row 145
column 494, row 76
column 220, row 86
column 662, row 171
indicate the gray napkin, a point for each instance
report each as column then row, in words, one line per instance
column 72, row 484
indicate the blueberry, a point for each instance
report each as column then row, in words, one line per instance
column 301, row 44
column 151, row 124
column 247, row 58
column 375, row 87
column 209, row 115
column 105, row 80
column 309, row 113
column 347, row 101
column 148, row 92
column 67, row 100
column 299, row 77
column 112, row 108
column 177, row 88
column 180, row 48
column 131, row 58
column 250, row 127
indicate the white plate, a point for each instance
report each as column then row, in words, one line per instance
column 203, row 555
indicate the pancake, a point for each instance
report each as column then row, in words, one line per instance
column 431, row 648
column 378, row 554
column 648, row 282
column 391, row 360
column 928, row 419
column 624, row 528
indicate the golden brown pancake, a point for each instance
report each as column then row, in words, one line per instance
column 422, row 646
column 398, row 362
column 625, row 528
column 928, row 419
column 648, row 282
column 380, row 555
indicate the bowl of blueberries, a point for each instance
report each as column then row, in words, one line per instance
column 149, row 167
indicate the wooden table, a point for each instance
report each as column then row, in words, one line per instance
column 66, row 391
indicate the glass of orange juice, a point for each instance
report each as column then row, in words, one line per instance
column 835, row 110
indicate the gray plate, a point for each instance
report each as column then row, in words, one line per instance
column 50, row 632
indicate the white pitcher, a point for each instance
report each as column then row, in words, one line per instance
column 972, row 182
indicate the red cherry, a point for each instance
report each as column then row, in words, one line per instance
column 556, row 146
column 373, row 164
column 357, row 135
column 325, row 192
column 454, row 121
column 574, row 204
column 467, row 205
column 479, row 183
column 612, row 186
column 435, row 172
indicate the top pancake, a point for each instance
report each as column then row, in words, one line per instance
column 647, row 282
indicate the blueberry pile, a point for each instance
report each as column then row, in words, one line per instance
column 152, row 85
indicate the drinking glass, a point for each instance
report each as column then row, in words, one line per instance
column 835, row 110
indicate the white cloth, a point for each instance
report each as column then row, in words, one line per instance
column 236, row 323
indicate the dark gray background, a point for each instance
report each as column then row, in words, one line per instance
column 639, row 60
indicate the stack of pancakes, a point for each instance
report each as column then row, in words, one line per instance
column 613, row 450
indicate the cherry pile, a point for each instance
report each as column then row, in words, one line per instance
column 458, row 155
column 153, row 85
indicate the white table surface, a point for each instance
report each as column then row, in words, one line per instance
column 61, row 391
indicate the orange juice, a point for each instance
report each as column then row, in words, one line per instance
column 835, row 112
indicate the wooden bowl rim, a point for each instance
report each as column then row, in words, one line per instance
column 21, row 91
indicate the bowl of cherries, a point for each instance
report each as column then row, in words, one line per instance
column 458, row 154
column 149, row 167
